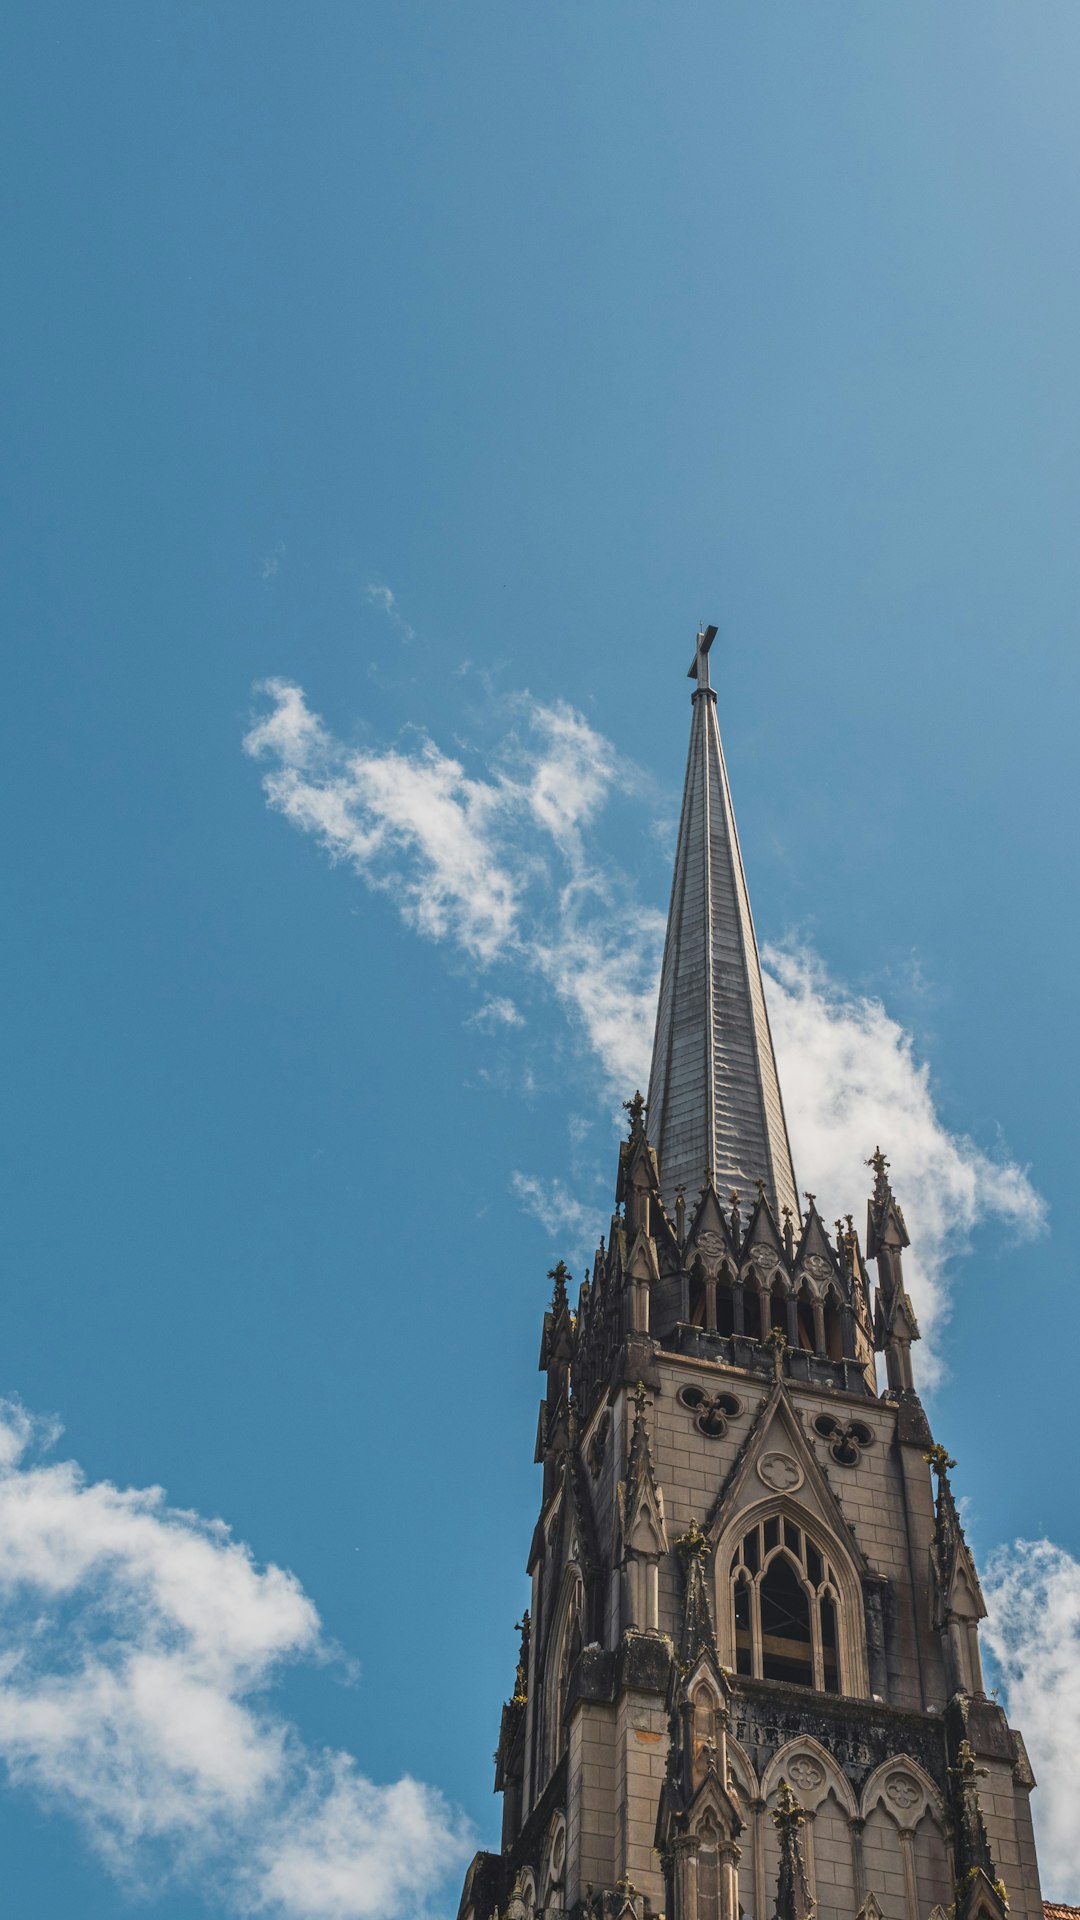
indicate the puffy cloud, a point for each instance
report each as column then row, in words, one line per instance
column 851, row 1079
column 1032, row 1591
column 136, row 1646
column 506, row 868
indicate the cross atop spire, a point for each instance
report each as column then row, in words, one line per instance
column 714, row 1096
column 699, row 666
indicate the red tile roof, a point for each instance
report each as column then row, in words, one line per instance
column 1055, row 1911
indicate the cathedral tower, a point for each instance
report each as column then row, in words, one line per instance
column 749, row 1680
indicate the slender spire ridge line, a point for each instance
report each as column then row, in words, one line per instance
column 715, row 1108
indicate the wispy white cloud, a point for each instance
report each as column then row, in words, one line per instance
column 497, row 865
column 137, row 1644
column 1032, row 1591
column 568, row 1221
column 411, row 823
column 383, row 598
column 498, row 1012
column 505, row 866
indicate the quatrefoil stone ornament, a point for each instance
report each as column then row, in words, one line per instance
column 712, row 1410
column 847, row 1438
column 902, row 1791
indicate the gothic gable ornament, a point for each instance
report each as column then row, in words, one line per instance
column 777, row 1458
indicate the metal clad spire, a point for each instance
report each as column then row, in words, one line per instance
column 714, row 1095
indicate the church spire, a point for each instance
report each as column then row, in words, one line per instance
column 714, row 1095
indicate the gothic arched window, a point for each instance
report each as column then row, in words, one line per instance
column 785, row 1607
column 567, row 1646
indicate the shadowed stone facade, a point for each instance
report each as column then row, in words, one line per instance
column 749, row 1682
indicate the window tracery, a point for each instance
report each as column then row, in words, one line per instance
column 847, row 1439
column 711, row 1411
column 785, row 1602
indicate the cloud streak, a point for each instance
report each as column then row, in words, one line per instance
column 498, row 865
column 137, row 1644
column 503, row 866
column 386, row 601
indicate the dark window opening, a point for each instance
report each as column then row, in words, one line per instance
column 744, row 1650
column 834, row 1335
column 828, row 1643
column 785, row 1626
column 725, row 1311
column 697, row 1299
column 779, row 1313
column 786, row 1609
column 806, row 1326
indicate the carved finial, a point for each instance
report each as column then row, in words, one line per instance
column 965, row 1772
column 636, row 1109
column 736, row 1217
column 693, row 1544
column 521, row 1678
column 777, row 1340
column 939, row 1461
column 559, row 1300
column 793, row 1899
column 760, row 1185
column 788, row 1816
column 811, row 1199
column 879, row 1163
column 788, row 1233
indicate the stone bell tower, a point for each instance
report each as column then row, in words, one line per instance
column 749, row 1679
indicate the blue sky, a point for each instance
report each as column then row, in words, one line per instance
column 448, row 365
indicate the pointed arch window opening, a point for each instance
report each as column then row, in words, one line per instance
column 834, row 1326
column 568, row 1644
column 712, row 1301
column 785, row 1608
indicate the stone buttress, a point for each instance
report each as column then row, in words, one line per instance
column 749, row 1679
